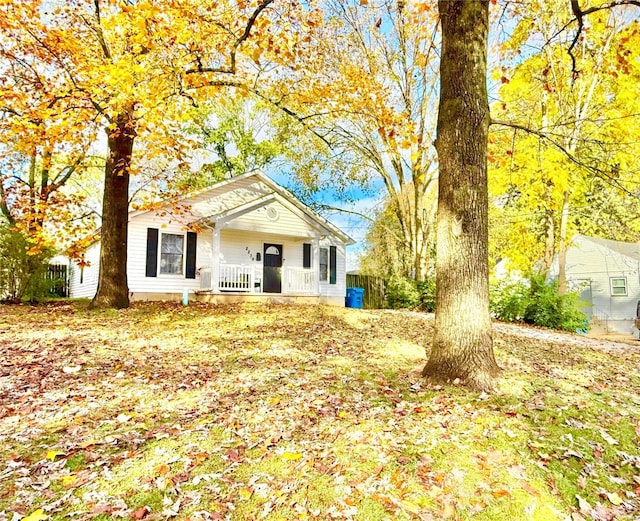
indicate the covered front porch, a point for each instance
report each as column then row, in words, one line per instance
column 257, row 263
column 242, row 278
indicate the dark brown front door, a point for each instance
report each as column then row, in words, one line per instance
column 272, row 268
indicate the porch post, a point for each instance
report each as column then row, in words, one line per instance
column 215, row 268
column 316, row 263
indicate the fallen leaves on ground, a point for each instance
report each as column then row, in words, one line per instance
column 304, row 412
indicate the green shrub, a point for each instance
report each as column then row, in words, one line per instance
column 509, row 301
column 535, row 301
column 402, row 292
column 427, row 291
column 549, row 309
column 22, row 274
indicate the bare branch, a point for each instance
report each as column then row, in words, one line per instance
column 327, row 207
column 393, row 232
column 231, row 69
column 579, row 15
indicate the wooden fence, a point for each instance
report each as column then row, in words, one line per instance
column 59, row 277
column 373, row 297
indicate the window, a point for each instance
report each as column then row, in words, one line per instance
column 171, row 253
column 324, row 264
column 618, row 286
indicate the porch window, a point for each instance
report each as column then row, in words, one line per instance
column 324, row 264
column 618, row 286
column 171, row 253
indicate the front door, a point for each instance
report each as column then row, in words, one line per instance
column 272, row 270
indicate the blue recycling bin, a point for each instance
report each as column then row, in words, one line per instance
column 354, row 298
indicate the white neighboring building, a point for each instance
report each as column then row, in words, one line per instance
column 245, row 238
column 607, row 273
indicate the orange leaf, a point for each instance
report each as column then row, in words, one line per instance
column 530, row 489
column 162, row 469
column 140, row 513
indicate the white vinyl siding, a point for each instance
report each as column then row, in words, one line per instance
column 83, row 282
column 598, row 266
column 286, row 222
column 164, row 282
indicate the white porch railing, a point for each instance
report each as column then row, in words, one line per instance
column 234, row 277
column 243, row 278
column 299, row 280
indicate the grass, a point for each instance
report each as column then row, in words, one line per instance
column 277, row 412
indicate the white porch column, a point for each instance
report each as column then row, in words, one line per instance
column 215, row 268
column 316, row 263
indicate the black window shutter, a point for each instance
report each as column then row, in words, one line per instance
column 152, row 252
column 332, row 265
column 192, row 240
column 306, row 255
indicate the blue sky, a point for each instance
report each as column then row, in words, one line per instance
column 356, row 227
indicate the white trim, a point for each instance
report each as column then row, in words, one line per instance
column 198, row 193
column 625, row 287
column 215, row 269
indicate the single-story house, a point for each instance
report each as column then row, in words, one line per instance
column 245, row 238
column 607, row 275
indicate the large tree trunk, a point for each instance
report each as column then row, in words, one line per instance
column 113, row 290
column 462, row 344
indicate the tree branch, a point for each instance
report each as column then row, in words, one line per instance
column 579, row 15
column 362, row 216
column 597, row 171
column 98, row 30
column 231, row 69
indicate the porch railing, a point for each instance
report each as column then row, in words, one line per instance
column 243, row 278
column 234, row 277
column 299, row 280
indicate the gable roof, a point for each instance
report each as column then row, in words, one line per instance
column 210, row 202
column 628, row 249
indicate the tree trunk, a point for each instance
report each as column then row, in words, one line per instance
column 462, row 344
column 562, row 247
column 549, row 243
column 113, row 290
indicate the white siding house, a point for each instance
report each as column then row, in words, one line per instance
column 83, row 281
column 245, row 238
column 607, row 273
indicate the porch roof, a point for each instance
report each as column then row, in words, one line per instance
column 234, row 197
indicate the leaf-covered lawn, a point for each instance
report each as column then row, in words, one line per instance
column 294, row 413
